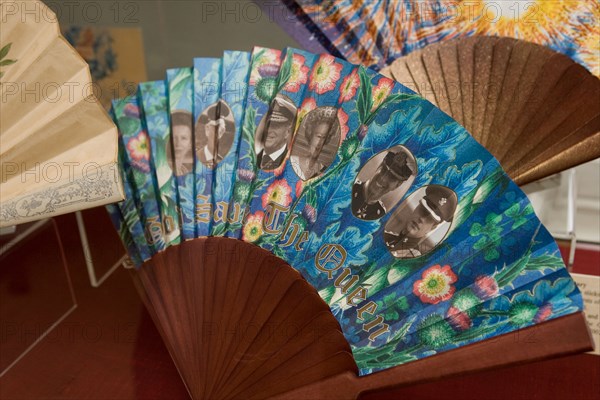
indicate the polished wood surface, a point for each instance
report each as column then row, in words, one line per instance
column 108, row 348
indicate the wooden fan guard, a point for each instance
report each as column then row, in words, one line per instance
column 161, row 279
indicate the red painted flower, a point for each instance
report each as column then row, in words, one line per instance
column 485, row 287
column 458, row 320
column 349, row 86
column 343, row 119
column 278, row 192
column 381, row 91
column 299, row 74
column 543, row 313
column 435, row 285
column 138, row 148
column 325, row 74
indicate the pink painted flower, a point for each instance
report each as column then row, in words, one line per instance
column 299, row 74
column 139, row 147
column 381, row 91
column 253, row 230
column 325, row 74
column 435, row 285
column 485, row 287
column 278, row 192
column 543, row 313
column 343, row 119
column 458, row 320
column 349, row 86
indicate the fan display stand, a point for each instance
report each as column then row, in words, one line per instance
column 334, row 380
column 36, row 292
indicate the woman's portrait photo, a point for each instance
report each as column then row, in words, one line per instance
column 180, row 151
column 316, row 142
column 421, row 222
column 214, row 133
column 382, row 182
column 274, row 133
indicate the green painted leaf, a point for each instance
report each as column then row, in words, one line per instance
column 4, row 63
column 4, row 51
column 286, row 72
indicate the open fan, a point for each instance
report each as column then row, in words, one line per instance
column 378, row 32
column 535, row 110
column 51, row 125
column 376, row 233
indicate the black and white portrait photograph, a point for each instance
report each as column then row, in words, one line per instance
column 274, row 133
column 214, row 133
column 382, row 182
column 180, row 154
column 421, row 222
column 316, row 142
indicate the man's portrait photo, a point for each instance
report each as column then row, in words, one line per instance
column 421, row 222
column 316, row 142
column 180, row 152
column 382, row 182
column 275, row 132
column 214, row 133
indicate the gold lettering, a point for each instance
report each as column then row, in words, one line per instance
column 330, row 254
column 377, row 321
column 360, row 293
column 221, row 212
column 271, row 220
column 303, row 239
column 339, row 281
column 368, row 308
column 237, row 214
column 169, row 224
column 287, row 229
column 154, row 231
column 203, row 209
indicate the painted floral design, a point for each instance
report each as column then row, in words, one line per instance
column 349, row 86
column 265, row 57
column 343, row 119
column 96, row 48
column 381, row 91
column 298, row 75
column 435, row 285
column 278, row 192
column 253, row 227
column 139, row 150
column 485, row 287
column 435, row 332
column 131, row 110
column 325, row 74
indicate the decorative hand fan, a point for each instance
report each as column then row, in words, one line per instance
column 395, row 242
column 378, row 32
column 535, row 110
column 51, row 126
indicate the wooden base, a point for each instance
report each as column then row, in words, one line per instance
column 562, row 336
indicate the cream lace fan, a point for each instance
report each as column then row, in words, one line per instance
column 58, row 147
